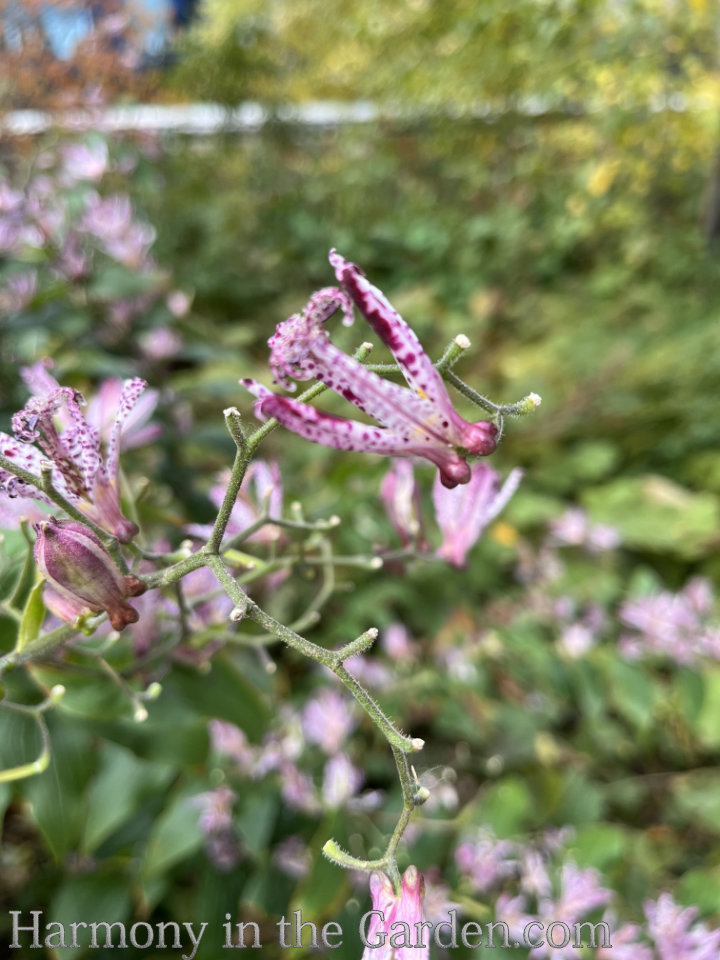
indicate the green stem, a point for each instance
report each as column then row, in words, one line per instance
column 237, row 475
column 36, row 648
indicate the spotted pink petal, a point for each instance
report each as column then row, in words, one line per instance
column 416, row 366
column 129, row 396
column 341, row 434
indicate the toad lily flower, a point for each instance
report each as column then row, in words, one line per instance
column 419, row 421
column 395, row 930
column 51, row 428
column 462, row 515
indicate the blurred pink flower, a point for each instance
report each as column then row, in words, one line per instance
column 292, row 855
column 341, row 781
column 400, row 495
column 485, row 860
column 675, row 932
column 328, row 720
column 111, row 220
column 216, row 823
column 397, row 642
column 19, row 290
column 178, row 303
column 230, row 741
column 463, row 513
column 574, row 529
column 161, row 343
column 84, row 161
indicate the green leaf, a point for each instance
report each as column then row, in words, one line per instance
column 94, row 898
column 631, row 691
column 32, row 616
column 598, row 844
column 701, row 888
column 708, row 720
column 58, row 796
column 25, row 580
column 257, row 819
column 117, row 791
column 223, row 693
column 88, row 692
column 652, row 512
column 176, row 834
column 696, row 798
column 506, row 807
column 323, row 891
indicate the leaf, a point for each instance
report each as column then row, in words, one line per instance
column 117, row 791
column 58, row 796
column 708, row 720
column 176, row 834
column 324, row 889
column 103, row 896
column 223, row 693
column 24, row 746
column 32, row 616
column 631, row 691
column 25, row 580
column 506, row 807
column 696, row 798
column 654, row 513
column 88, row 693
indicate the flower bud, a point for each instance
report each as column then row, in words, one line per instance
column 82, row 573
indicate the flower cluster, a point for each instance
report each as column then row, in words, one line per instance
column 57, row 230
column 52, row 433
column 416, row 422
column 681, row 626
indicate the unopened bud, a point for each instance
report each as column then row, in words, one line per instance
column 140, row 715
column 82, row 573
column 422, row 795
column 529, row 403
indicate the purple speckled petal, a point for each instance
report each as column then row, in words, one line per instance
column 416, row 366
column 29, row 458
column 308, row 355
column 461, row 514
column 341, row 434
column 82, row 441
column 35, row 423
column 129, row 396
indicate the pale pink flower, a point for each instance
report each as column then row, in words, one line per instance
column 675, row 932
column 463, row 513
column 407, row 908
column 341, row 781
column 400, row 495
column 85, row 161
column 328, row 720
